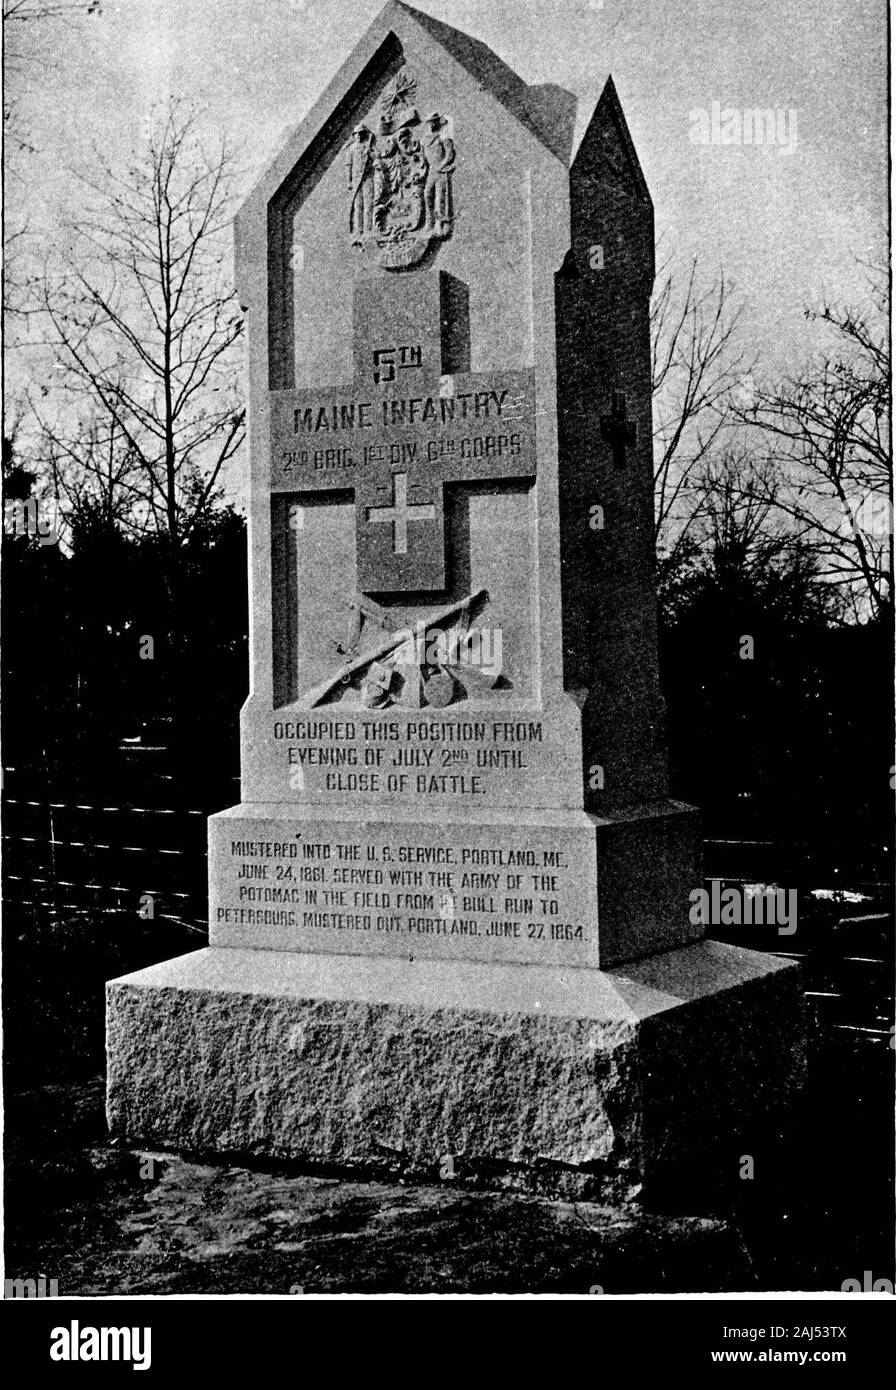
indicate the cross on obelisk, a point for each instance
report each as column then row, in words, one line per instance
column 618, row 430
column 414, row 422
column 400, row 513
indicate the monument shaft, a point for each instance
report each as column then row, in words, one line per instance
column 455, row 829
column 427, row 439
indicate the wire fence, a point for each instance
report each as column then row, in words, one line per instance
column 70, row 861
column 89, row 858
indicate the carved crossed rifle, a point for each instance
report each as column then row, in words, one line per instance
column 392, row 642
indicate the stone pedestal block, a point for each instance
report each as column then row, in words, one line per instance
column 578, row 1081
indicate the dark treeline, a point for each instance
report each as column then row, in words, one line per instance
column 777, row 715
column 779, row 721
column 97, row 721
column 102, row 653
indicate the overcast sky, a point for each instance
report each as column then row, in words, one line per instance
column 783, row 225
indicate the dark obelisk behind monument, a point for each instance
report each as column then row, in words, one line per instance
column 450, row 914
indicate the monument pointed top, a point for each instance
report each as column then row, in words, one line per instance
column 546, row 112
column 607, row 127
column 549, row 111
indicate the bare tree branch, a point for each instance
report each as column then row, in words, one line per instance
column 826, row 430
column 143, row 325
column 697, row 366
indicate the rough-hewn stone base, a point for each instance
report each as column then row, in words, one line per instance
column 582, row 1082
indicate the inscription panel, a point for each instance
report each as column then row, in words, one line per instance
column 477, row 757
column 397, row 451
column 316, row 433
column 472, row 891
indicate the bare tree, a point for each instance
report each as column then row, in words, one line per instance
column 93, row 473
column 735, row 511
column 142, row 323
column 697, row 366
column 826, row 431
column 744, row 552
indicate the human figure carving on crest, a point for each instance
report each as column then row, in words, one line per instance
column 359, row 164
column 442, row 159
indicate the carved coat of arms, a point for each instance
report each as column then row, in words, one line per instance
column 400, row 179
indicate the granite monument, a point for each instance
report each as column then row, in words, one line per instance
column 450, row 914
